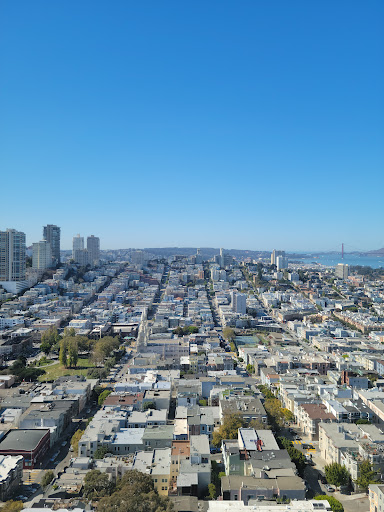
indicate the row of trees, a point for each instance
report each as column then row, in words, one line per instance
column 339, row 475
column 277, row 415
column 184, row 331
column 296, row 456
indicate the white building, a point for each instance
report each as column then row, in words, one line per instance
column 275, row 254
column 342, row 271
column 239, row 303
column 77, row 244
column 281, row 263
column 12, row 260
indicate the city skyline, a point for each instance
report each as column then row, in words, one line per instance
column 253, row 126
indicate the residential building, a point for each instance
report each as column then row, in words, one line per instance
column 12, row 260
column 77, row 244
column 275, row 254
column 32, row 445
column 342, row 271
column 51, row 234
column 93, row 248
column 11, row 473
column 41, row 255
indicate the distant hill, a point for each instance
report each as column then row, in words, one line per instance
column 206, row 252
column 377, row 252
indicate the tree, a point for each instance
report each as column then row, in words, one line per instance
column 47, row 478
column 135, row 491
column 75, row 440
column 335, row 504
column 229, row 334
column 101, row 452
column 45, row 347
column 363, row 421
column 228, row 429
column 73, row 352
column 69, row 332
column 12, row 506
column 259, row 425
column 212, row 491
column 97, row 484
column 250, row 368
column 103, row 395
column 337, row 474
column 203, row 402
column 366, row 475
column 149, row 405
column 63, row 354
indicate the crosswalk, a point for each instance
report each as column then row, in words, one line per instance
column 32, row 476
column 301, row 443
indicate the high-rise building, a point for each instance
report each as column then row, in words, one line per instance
column 137, row 257
column 93, row 247
column 275, row 254
column 51, row 234
column 342, row 271
column 12, row 260
column 77, row 245
column 281, row 262
column 239, row 303
column 41, row 255
column 81, row 257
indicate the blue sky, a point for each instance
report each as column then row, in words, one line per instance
column 246, row 124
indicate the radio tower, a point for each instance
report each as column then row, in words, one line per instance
column 342, row 251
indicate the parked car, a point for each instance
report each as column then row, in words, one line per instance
column 329, row 488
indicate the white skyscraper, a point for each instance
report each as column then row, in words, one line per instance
column 239, row 303
column 77, row 244
column 41, row 255
column 12, row 260
column 281, row 262
column 342, row 271
column 275, row 254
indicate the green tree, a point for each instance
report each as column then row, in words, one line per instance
column 149, row 405
column 228, row 429
column 97, row 484
column 73, row 352
column 47, row 478
column 229, row 334
column 103, row 395
column 212, row 491
column 135, row 491
column 366, row 475
column 63, row 354
column 100, row 452
column 45, row 347
column 69, row 332
column 335, row 504
column 337, row 474
column 12, row 506
column 363, row 421
column 250, row 368
column 203, row 402
column 75, row 440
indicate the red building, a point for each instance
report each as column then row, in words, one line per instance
column 32, row 444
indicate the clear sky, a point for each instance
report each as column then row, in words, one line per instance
column 238, row 124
